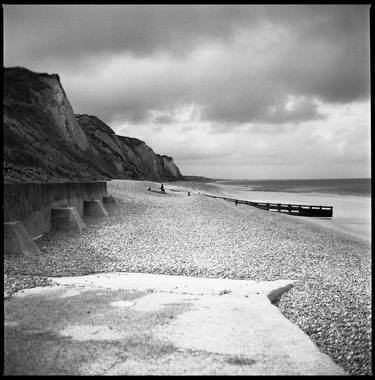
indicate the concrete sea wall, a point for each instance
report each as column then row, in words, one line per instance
column 31, row 203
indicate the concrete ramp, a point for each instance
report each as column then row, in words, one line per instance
column 142, row 324
column 179, row 284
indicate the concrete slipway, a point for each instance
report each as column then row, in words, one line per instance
column 144, row 324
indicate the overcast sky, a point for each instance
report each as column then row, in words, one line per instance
column 243, row 91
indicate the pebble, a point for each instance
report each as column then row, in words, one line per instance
column 204, row 237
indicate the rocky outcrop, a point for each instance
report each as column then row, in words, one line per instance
column 169, row 167
column 45, row 141
column 127, row 157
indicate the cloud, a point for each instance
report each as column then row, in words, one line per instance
column 338, row 146
column 74, row 30
column 164, row 119
column 239, row 64
column 223, row 89
column 142, row 30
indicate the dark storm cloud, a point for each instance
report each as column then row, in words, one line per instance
column 310, row 52
column 69, row 31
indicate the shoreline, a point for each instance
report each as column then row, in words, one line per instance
column 326, row 187
column 351, row 214
column 177, row 234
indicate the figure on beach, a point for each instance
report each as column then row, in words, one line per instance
column 162, row 188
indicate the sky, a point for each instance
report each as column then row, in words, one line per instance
column 229, row 91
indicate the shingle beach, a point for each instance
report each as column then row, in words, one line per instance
column 198, row 236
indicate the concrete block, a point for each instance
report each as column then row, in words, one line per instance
column 30, row 203
column 17, row 240
column 66, row 219
column 110, row 201
column 94, row 208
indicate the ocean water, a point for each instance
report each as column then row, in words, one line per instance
column 347, row 186
column 350, row 198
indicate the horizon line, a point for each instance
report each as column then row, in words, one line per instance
column 274, row 179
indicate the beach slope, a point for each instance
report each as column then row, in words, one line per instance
column 177, row 234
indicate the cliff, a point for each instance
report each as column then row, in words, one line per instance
column 127, row 157
column 45, row 141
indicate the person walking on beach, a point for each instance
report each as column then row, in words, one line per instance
column 162, row 188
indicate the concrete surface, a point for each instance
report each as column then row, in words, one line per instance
column 143, row 324
column 31, row 203
column 110, row 201
column 94, row 208
column 66, row 219
column 17, row 240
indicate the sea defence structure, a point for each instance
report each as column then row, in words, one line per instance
column 17, row 241
column 32, row 203
column 291, row 209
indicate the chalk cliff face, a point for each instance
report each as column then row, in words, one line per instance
column 45, row 141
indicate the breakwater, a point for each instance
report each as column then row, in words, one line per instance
column 291, row 209
column 31, row 203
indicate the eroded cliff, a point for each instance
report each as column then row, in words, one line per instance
column 127, row 157
column 45, row 141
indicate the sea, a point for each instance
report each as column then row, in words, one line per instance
column 350, row 198
column 345, row 186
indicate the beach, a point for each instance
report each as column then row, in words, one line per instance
column 177, row 234
column 351, row 213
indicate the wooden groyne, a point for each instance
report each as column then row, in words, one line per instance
column 292, row 209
